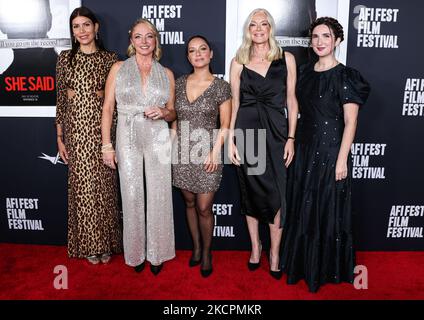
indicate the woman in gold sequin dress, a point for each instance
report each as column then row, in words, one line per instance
column 200, row 99
column 93, row 221
column 144, row 92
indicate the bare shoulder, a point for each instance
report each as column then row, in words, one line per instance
column 170, row 74
column 117, row 65
column 290, row 59
column 235, row 68
column 115, row 68
column 235, row 64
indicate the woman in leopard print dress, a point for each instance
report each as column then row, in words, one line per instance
column 93, row 223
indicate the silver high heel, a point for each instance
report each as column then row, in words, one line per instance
column 93, row 259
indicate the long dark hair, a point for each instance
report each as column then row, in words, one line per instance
column 207, row 42
column 82, row 12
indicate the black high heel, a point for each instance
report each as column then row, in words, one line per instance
column 252, row 266
column 140, row 267
column 192, row 262
column 277, row 275
column 207, row 272
column 156, row 269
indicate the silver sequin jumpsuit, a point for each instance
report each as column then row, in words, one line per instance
column 143, row 150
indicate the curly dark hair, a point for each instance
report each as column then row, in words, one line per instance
column 330, row 22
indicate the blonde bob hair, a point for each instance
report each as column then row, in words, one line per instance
column 157, row 54
column 244, row 52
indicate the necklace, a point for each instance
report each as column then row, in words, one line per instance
column 262, row 57
column 259, row 57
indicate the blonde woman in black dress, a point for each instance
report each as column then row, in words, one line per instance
column 263, row 79
column 200, row 99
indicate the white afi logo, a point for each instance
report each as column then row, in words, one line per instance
column 53, row 160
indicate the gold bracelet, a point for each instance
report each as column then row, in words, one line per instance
column 107, row 145
column 107, row 148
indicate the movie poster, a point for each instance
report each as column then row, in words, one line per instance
column 32, row 34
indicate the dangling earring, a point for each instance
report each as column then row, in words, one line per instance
column 97, row 37
column 75, row 39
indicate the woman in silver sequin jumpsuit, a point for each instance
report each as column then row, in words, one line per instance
column 144, row 92
column 200, row 99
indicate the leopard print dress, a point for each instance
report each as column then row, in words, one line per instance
column 93, row 215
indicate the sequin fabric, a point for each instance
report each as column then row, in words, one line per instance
column 196, row 131
column 143, row 150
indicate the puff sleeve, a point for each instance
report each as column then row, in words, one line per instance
column 354, row 89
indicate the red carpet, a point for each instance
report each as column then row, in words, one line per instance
column 27, row 272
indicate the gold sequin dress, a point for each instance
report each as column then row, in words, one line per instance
column 197, row 126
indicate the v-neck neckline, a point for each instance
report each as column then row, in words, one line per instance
column 146, row 87
column 267, row 71
column 202, row 94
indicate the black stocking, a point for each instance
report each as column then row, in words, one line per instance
column 204, row 203
column 193, row 223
